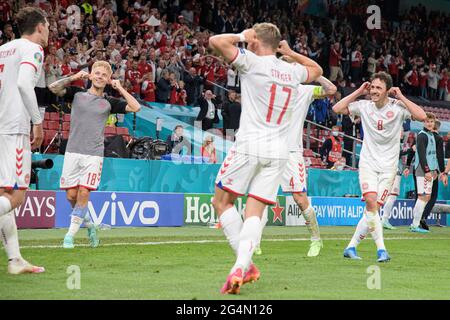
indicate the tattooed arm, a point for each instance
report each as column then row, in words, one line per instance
column 59, row 87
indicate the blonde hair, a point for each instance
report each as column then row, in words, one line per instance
column 102, row 64
column 268, row 34
column 430, row 115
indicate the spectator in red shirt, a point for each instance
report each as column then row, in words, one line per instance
column 143, row 66
column 148, row 88
column 442, row 84
column 393, row 69
column 357, row 60
column 412, row 79
column 423, row 77
column 335, row 62
column 182, row 95
column 135, row 78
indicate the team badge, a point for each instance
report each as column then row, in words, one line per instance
column 27, row 179
column 38, row 57
column 365, row 185
column 390, row 114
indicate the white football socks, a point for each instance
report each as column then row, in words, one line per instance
column 248, row 239
column 75, row 224
column 264, row 220
column 8, row 233
column 5, row 205
column 418, row 211
column 375, row 228
column 311, row 223
column 362, row 229
column 387, row 208
column 231, row 222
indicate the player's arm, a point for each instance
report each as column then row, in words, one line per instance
column 417, row 112
column 342, row 106
column 225, row 44
column 327, row 88
column 132, row 104
column 25, row 84
column 313, row 68
column 59, row 87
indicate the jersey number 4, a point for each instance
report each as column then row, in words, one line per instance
column 273, row 91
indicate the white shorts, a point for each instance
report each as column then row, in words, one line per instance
column 294, row 175
column 380, row 183
column 259, row 177
column 395, row 190
column 15, row 161
column 424, row 187
column 80, row 170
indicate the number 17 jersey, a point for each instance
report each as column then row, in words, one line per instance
column 268, row 94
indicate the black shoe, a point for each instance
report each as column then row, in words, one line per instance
column 423, row 224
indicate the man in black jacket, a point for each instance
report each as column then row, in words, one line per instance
column 231, row 114
column 208, row 111
column 163, row 88
column 349, row 127
column 192, row 85
column 441, row 163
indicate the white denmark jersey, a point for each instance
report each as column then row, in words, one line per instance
column 306, row 95
column 382, row 130
column 14, row 117
column 269, row 91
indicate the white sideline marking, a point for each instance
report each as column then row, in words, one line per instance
column 210, row 241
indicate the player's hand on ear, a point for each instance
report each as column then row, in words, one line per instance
column 365, row 88
column 284, row 48
column 116, row 84
column 395, row 92
column 250, row 35
column 82, row 75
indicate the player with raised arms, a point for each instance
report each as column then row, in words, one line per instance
column 20, row 68
column 294, row 176
column 254, row 164
column 382, row 120
column 83, row 159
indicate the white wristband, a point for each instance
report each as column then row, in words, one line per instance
column 241, row 37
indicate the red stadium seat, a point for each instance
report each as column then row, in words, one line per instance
column 52, row 125
column 66, row 126
column 122, row 131
column 48, row 136
column 54, row 116
column 65, row 135
column 308, row 153
column 66, row 118
column 47, row 116
column 110, row 131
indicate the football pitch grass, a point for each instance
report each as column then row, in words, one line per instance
column 193, row 262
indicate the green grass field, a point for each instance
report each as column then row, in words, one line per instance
column 193, row 262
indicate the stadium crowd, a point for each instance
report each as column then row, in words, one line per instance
column 158, row 49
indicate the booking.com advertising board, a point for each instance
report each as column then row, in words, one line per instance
column 49, row 209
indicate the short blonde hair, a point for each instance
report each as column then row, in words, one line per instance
column 268, row 34
column 430, row 115
column 102, row 64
